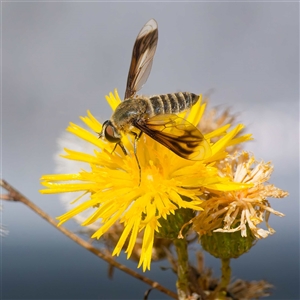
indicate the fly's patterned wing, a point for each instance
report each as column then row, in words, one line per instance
column 142, row 58
column 177, row 134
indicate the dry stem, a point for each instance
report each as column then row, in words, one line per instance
column 14, row 195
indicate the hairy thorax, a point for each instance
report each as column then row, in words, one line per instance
column 129, row 111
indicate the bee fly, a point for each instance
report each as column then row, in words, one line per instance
column 155, row 115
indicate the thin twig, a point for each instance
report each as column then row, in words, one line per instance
column 14, row 195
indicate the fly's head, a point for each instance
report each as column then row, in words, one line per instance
column 110, row 133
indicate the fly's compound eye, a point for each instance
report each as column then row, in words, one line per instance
column 110, row 132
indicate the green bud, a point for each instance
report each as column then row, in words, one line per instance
column 171, row 226
column 226, row 245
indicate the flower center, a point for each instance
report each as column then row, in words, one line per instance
column 151, row 175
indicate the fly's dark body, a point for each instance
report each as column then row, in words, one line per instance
column 172, row 103
column 139, row 109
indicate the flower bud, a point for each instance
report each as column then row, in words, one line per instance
column 226, row 245
column 171, row 226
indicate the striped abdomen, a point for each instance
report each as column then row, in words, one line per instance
column 172, row 103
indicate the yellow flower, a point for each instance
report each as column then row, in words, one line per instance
column 235, row 210
column 168, row 182
column 215, row 117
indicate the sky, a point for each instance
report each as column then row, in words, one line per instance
column 59, row 59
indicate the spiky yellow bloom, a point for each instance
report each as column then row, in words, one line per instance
column 235, row 210
column 168, row 182
column 215, row 117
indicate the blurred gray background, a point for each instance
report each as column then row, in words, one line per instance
column 60, row 59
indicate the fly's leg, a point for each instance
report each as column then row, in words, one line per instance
column 121, row 146
column 136, row 138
